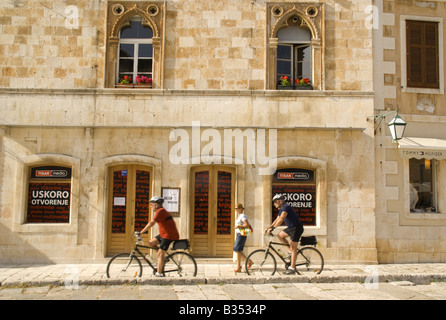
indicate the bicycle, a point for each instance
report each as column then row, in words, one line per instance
column 263, row 262
column 177, row 264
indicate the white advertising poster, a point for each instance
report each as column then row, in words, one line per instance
column 171, row 199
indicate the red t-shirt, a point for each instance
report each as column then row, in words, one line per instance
column 166, row 225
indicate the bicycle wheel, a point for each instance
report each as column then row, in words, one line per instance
column 180, row 264
column 309, row 261
column 124, row 265
column 263, row 263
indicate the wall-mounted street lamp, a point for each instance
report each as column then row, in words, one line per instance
column 396, row 125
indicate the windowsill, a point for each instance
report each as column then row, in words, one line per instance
column 47, row 228
column 423, row 219
column 192, row 92
column 279, row 87
column 422, row 90
column 423, row 212
column 133, row 86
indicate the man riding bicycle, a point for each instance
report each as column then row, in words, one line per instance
column 167, row 228
column 294, row 228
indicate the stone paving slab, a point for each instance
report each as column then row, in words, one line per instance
column 214, row 274
column 234, row 294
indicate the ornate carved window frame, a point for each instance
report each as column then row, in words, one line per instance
column 312, row 16
column 119, row 13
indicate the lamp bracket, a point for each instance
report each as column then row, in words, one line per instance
column 379, row 118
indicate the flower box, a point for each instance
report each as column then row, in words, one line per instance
column 304, row 88
column 142, row 86
column 133, row 85
column 286, row 83
column 279, row 87
column 124, row 85
column 141, row 82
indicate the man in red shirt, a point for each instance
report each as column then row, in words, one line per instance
column 167, row 228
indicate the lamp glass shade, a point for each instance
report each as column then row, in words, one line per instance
column 397, row 127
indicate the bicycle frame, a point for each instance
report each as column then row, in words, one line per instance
column 136, row 250
column 287, row 262
column 271, row 246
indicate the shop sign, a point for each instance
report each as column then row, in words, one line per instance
column 51, row 172
column 300, row 197
column 428, row 154
column 294, row 175
column 48, row 202
column 49, row 194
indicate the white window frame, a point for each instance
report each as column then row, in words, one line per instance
column 407, row 218
column 294, row 62
column 136, row 42
column 404, row 87
column 434, row 164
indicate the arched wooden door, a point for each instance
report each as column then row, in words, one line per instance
column 212, row 221
column 130, row 189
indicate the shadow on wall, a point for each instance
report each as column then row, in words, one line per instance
column 15, row 250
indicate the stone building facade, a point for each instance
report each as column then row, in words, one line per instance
column 83, row 145
column 410, row 175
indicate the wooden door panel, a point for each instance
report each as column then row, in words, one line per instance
column 129, row 195
column 212, row 211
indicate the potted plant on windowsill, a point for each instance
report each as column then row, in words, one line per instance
column 303, row 84
column 143, row 82
column 286, row 83
column 124, row 82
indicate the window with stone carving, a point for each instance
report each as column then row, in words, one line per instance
column 295, row 46
column 134, row 47
column 294, row 65
column 135, row 56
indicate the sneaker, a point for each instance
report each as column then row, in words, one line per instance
column 290, row 271
column 159, row 275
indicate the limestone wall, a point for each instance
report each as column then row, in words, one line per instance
column 206, row 44
column 404, row 236
column 59, row 105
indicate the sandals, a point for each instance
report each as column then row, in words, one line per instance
column 239, row 268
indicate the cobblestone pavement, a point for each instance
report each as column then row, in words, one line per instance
column 401, row 290
column 219, row 282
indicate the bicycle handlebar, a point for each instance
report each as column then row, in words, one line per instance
column 137, row 235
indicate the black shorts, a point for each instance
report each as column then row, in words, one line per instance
column 164, row 243
column 295, row 232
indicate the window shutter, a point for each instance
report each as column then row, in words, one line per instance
column 414, row 49
column 422, row 54
column 431, row 55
